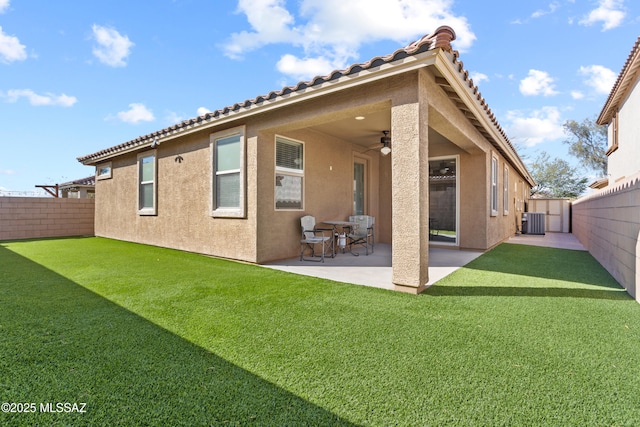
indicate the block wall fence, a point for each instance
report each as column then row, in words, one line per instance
column 31, row 217
column 608, row 225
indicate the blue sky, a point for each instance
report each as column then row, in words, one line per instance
column 80, row 76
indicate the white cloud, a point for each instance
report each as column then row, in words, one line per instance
column 479, row 77
column 112, row 48
column 7, row 172
column 538, row 83
column 202, row 111
column 330, row 32
column 610, row 12
column 576, row 94
column 539, row 126
column 48, row 99
column 4, row 6
column 270, row 20
column 10, row 48
column 304, row 68
column 541, row 12
column 136, row 113
column 600, row 78
column 171, row 118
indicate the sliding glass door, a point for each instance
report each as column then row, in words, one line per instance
column 359, row 186
column 443, row 200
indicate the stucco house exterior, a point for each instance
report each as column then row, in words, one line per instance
column 607, row 222
column 235, row 182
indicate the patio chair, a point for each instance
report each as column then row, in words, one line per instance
column 312, row 236
column 362, row 234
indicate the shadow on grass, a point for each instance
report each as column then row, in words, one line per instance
column 63, row 343
column 513, row 270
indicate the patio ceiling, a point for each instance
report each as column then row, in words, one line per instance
column 368, row 131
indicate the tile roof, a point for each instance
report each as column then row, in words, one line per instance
column 626, row 78
column 422, row 45
column 439, row 39
column 88, row 181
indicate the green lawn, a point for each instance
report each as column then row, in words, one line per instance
column 149, row 336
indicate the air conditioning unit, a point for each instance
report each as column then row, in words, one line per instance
column 536, row 223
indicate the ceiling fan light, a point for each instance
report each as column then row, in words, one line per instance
column 386, row 143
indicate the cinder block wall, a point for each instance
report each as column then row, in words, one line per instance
column 30, row 217
column 608, row 225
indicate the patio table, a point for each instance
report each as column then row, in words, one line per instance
column 335, row 224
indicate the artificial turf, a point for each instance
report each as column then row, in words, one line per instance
column 151, row 336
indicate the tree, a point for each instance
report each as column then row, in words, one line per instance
column 556, row 178
column 588, row 142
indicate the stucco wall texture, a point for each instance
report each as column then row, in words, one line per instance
column 608, row 225
column 30, row 217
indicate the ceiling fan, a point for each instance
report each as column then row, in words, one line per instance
column 385, row 140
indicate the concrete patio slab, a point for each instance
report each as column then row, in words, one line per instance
column 551, row 240
column 375, row 269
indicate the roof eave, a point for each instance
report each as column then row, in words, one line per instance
column 471, row 97
column 629, row 73
column 383, row 71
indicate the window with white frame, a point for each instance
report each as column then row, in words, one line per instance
column 103, row 171
column 289, row 185
column 228, row 160
column 613, row 134
column 494, row 186
column 147, row 177
column 505, row 190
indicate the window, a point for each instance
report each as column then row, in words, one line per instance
column 289, row 174
column 494, row 186
column 505, row 190
column 147, row 183
column 228, row 159
column 103, row 171
column 613, row 134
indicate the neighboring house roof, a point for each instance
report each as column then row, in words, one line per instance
column 89, row 181
column 599, row 183
column 625, row 82
column 471, row 104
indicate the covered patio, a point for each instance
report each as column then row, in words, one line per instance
column 409, row 142
column 374, row 270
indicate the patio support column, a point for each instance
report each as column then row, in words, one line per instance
column 410, row 190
